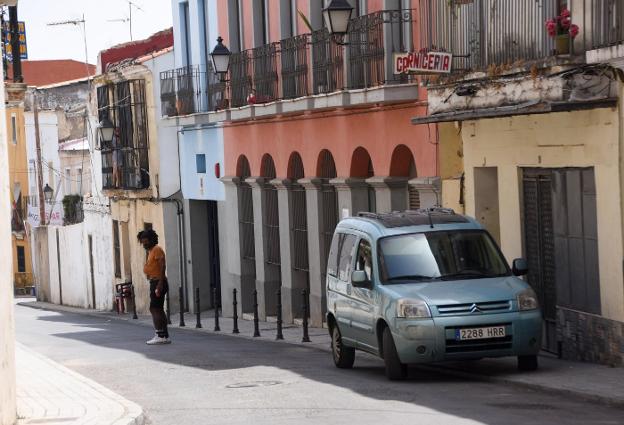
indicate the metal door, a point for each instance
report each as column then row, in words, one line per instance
column 540, row 248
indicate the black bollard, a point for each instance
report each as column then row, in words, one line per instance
column 168, row 312
column 134, row 314
column 216, row 308
column 197, row 309
column 181, row 307
column 256, row 320
column 280, row 335
column 304, row 296
column 235, row 315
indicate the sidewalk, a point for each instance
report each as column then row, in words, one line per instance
column 52, row 394
column 587, row 381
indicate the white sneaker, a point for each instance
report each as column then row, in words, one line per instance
column 158, row 341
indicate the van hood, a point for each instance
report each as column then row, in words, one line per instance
column 459, row 291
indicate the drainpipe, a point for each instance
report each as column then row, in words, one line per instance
column 181, row 242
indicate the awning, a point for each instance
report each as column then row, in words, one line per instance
column 527, row 108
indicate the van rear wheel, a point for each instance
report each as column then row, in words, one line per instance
column 343, row 356
column 395, row 370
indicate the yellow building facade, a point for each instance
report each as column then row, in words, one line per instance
column 19, row 188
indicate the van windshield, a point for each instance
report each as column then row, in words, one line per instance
column 442, row 255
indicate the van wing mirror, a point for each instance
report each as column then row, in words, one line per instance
column 359, row 279
column 520, row 267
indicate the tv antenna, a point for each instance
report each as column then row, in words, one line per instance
column 77, row 22
column 132, row 4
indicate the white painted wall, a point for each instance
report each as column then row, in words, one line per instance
column 7, row 338
column 48, row 131
column 166, row 145
column 208, row 142
column 73, row 245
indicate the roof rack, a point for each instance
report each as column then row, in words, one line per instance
column 422, row 216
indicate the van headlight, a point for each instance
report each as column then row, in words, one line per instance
column 413, row 309
column 527, row 300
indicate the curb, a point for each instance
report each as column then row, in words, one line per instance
column 602, row 400
column 133, row 413
column 607, row 401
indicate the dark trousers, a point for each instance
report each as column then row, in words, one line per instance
column 157, row 308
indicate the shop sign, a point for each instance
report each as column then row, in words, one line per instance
column 423, row 62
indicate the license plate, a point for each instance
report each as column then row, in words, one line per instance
column 480, row 333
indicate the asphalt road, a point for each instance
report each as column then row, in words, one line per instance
column 219, row 379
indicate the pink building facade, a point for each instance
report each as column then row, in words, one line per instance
column 314, row 129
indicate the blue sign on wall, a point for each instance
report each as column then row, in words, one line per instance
column 6, row 38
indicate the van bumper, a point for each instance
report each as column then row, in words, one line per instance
column 433, row 340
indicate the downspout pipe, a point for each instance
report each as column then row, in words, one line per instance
column 181, row 244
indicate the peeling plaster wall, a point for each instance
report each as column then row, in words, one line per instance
column 501, row 92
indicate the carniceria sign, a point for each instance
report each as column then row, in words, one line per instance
column 423, row 62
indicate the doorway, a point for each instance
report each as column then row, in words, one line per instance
column 561, row 242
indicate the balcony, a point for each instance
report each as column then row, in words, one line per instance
column 606, row 18
column 309, row 71
column 125, row 160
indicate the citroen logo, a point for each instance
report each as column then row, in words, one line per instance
column 475, row 309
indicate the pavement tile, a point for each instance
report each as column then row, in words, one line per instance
column 49, row 393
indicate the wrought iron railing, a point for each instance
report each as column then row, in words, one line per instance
column 485, row 33
column 125, row 160
column 366, row 51
column 294, row 66
column 606, row 18
column 189, row 90
column 265, row 75
column 240, row 78
column 327, row 63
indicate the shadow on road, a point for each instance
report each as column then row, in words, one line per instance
column 461, row 397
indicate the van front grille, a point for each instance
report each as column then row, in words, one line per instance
column 474, row 308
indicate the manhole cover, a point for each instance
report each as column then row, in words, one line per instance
column 253, row 384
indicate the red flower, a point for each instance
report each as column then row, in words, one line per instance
column 551, row 27
column 565, row 23
column 565, row 13
column 574, row 30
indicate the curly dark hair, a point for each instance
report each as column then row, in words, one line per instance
column 148, row 234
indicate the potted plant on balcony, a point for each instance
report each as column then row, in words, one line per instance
column 562, row 30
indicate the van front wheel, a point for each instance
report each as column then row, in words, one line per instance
column 343, row 356
column 395, row 370
column 527, row 363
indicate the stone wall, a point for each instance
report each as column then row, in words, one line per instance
column 591, row 338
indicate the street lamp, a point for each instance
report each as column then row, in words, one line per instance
column 221, row 58
column 48, row 193
column 106, row 131
column 337, row 16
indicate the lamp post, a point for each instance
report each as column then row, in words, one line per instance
column 337, row 16
column 48, row 193
column 106, row 130
column 221, row 59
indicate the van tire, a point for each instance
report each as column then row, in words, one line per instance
column 395, row 370
column 527, row 363
column 343, row 356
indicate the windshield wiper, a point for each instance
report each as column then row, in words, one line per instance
column 468, row 274
column 412, row 277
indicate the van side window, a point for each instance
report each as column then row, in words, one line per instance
column 332, row 259
column 346, row 257
column 364, row 259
